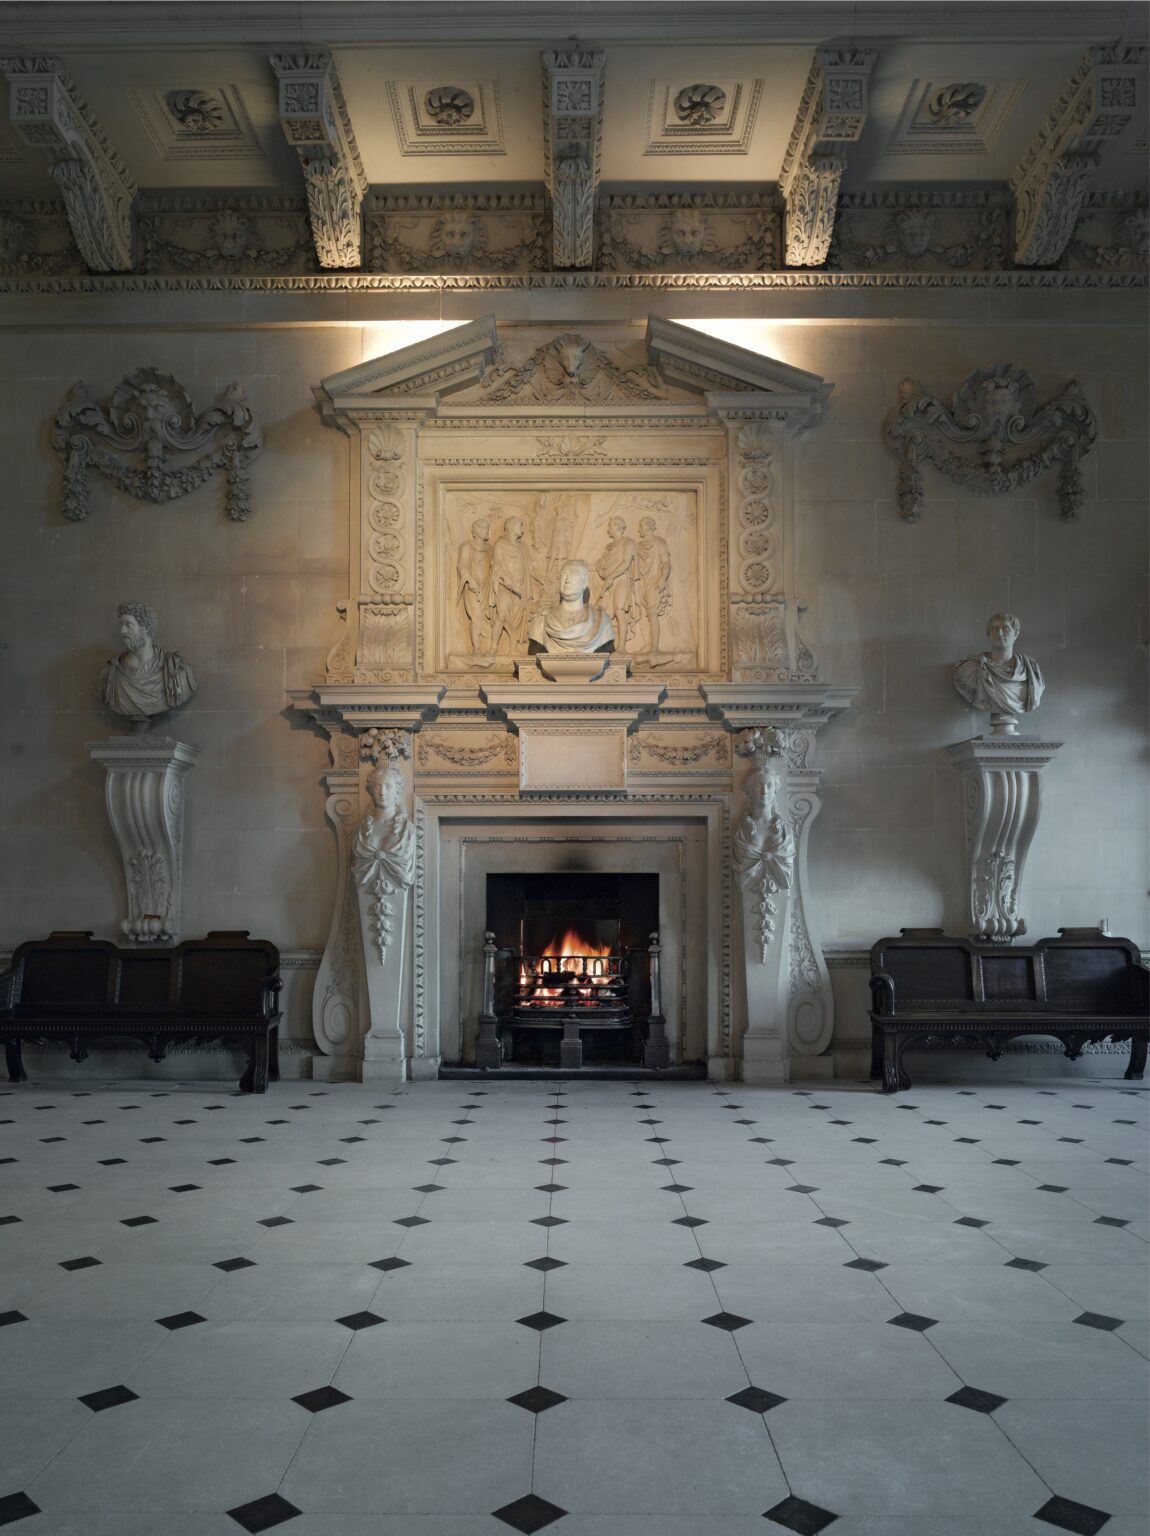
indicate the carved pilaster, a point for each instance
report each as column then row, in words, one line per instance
column 144, row 793
column 49, row 114
column 317, row 125
column 573, row 82
column 1001, row 800
column 335, row 1001
column 831, row 115
column 1052, row 178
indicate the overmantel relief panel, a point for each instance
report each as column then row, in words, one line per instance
column 483, row 460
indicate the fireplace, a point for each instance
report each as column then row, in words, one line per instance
column 571, row 970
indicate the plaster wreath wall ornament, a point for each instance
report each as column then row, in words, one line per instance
column 926, row 230
column 144, row 681
column 1002, row 680
column 715, row 233
column 992, row 439
column 383, row 858
column 141, row 440
column 198, row 235
column 483, row 233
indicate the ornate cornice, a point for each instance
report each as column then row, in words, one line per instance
column 832, row 113
column 49, row 114
column 1052, row 178
column 573, row 81
column 317, row 125
column 687, row 282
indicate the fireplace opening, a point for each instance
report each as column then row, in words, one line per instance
column 571, row 972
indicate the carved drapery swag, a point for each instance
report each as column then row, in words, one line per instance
column 142, row 439
column 1002, row 437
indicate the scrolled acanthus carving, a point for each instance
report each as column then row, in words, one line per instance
column 1002, row 438
column 150, row 418
column 762, row 845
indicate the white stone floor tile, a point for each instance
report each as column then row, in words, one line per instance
column 404, row 1428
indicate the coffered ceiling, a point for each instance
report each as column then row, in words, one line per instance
column 793, row 104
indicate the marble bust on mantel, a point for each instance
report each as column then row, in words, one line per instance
column 573, row 625
column 144, row 681
column 1003, row 681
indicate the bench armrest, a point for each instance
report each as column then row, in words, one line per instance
column 882, row 992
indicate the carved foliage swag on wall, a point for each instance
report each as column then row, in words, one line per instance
column 1002, row 438
column 141, row 442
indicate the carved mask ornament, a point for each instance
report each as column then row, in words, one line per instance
column 914, row 230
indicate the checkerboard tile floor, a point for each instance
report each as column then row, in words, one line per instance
column 593, row 1308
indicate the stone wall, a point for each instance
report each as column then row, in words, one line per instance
column 892, row 606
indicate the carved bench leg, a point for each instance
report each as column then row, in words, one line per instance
column 14, row 1060
column 875, row 1054
column 890, row 1063
column 274, row 1058
column 255, row 1078
column 1137, row 1057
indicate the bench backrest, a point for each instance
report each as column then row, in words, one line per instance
column 227, row 972
column 1098, row 974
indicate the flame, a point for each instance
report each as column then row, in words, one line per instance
column 571, row 953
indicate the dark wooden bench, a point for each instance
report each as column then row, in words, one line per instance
column 72, row 987
column 1082, row 986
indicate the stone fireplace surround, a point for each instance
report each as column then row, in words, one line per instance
column 692, row 760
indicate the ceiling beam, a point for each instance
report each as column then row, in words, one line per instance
column 317, row 125
column 49, row 114
column 573, row 82
column 1054, row 174
column 832, row 113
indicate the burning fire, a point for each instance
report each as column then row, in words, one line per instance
column 572, row 954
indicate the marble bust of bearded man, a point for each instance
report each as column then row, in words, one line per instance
column 144, row 680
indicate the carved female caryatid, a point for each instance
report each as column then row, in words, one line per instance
column 383, row 859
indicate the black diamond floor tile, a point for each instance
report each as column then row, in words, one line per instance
column 1110, row 1221
column 248, row 1140
column 553, row 1162
column 429, row 1189
column 262, row 1514
column 545, row 1264
column 929, row 1189
column 1122, row 1162
column 549, row 1221
column 869, row 1265
column 831, row 1221
column 8, row 1318
column 799, row 1516
column 1031, row 1265
column 1054, row 1189
column 802, row 1189
column 7, row 1221
column 330, row 1162
column 387, row 1265
column 970, row 1141
column 112, row 1162
column 138, row 1221
column 306, row 1189
column 84, row 1263
column 550, row 1189
column 1098, row 1320
column 180, row 1320
column 730, row 1322
column 689, row 1221
column 540, row 1321
column 666, row 1162
column 411, row 1221
column 1006, row 1162
column 183, row 1189
column 976, row 1399
column 914, row 1321
column 108, row 1397
column 16, row 1506
column 227, row 1265
column 537, row 1399
column 779, row 1162
column 357, row 1320
column 528, row 1514
column 893, row 1162
column 219, row 1162
column 276, row 1221
column 708, row 1266
column 756, row 1399
column 867, row 1141
column 676, row 1189
column 1066, row 1515
column 442, row 1162
column 321, row 1398
column 971, row 1221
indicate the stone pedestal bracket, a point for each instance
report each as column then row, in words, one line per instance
column 144, row 791
column 1002, row 800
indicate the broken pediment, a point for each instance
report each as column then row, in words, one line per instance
column 479, row 367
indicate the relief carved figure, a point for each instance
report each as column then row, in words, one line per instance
column 144, row 681
column 573, row 624
column 654, row 584
column 474, row 570
column 510, row 597
column 383, row 858
column 1002, row 680
column 618, row 571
